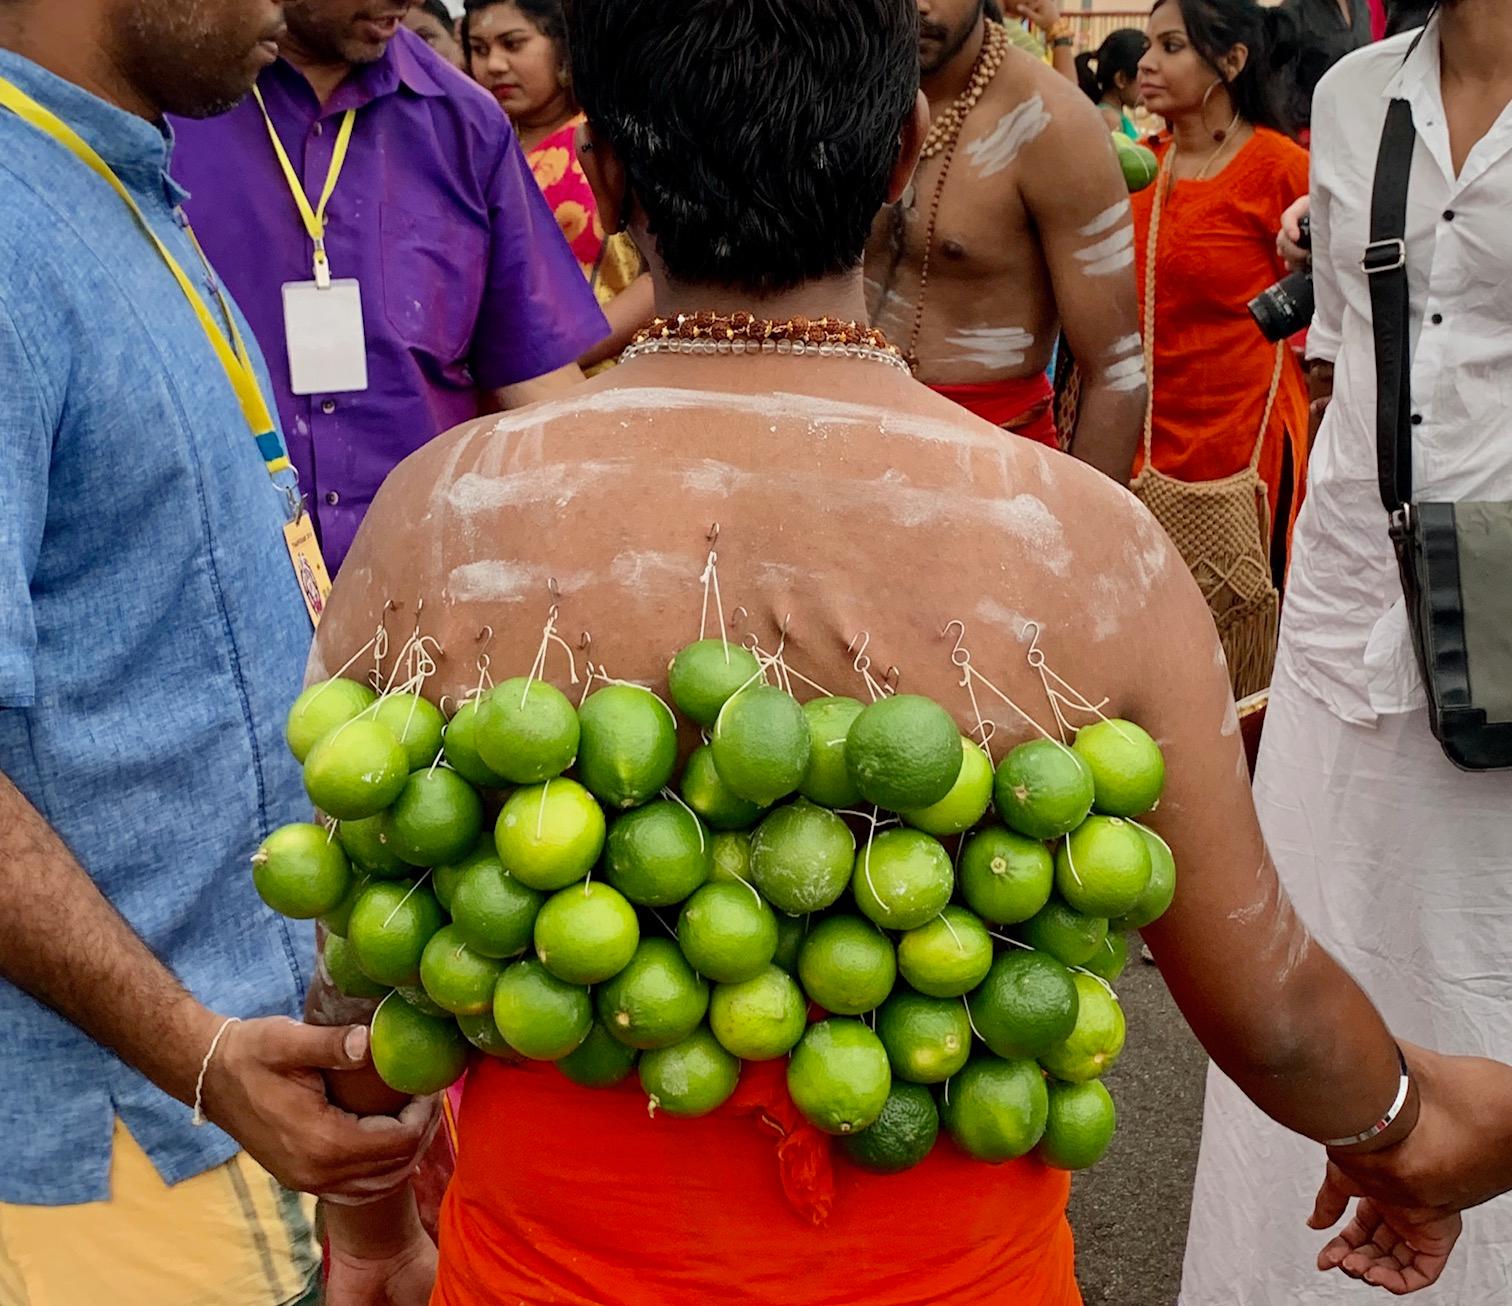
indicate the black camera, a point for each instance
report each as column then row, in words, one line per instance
column 1287, row 307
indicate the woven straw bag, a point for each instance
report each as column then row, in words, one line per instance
column 1221, row 528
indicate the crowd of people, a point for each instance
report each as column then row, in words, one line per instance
column 317, row 312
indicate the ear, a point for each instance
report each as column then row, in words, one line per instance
column 1234, row 62
column 606, row 177
column 911, row 145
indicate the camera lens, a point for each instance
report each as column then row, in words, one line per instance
column 1286, row 308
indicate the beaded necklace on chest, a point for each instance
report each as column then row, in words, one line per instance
column 746, row 335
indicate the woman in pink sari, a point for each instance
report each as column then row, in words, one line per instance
column 516, row 50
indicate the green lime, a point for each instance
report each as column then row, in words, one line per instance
column 1102, row 868
column 494, row 913
column 446, row 878
column 657, row 1000
column 391, row 924
column 628, row 749
column 339, row 917
column 586, row 933
column 732, row 858
column 904, row 753
column 727, row 932
column 458, row 979
column 1005, row 877
column 366, row 843
column 1159, row 893
column 995, row 1109
column 600, row 1060
column 414, row 1053
column 847, row 965
column 826, row 781
column 1025, row 1006
column 416, row 723
column 801, row 858
column 1043, row 789
column 1139, row 164
column 1062, row 931
column 483, row 1034
column 541, row 1017
column 927, row 1039
column 838, row 1076
column 1128, row 770
column 460, row 745
column 436, row 818
column 658, row 854
column 902, row 879
column 690, row 1078
column 947, row 956
column 761, row 1018
column 1079, row 1127
column 899, row 1138
column 968, row 799
column 1112, row 955
column 300, row 871
column 791, row 931
column 344, row 972
column 705, row 674
column 1092, row 1047
column 550, row 835
column 760, row 744
column 320, row 709
column 416, row 996
column 527, row 731
column 710, row 797
column 357, row 770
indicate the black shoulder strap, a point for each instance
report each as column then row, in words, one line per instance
column 1385, row 264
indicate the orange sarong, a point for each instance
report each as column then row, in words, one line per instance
column 1023, row 405
column 577, row 1196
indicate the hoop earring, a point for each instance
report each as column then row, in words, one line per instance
column 564, row 77
column 1221, row 134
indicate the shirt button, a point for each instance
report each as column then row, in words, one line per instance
column 1448, row 215
column 332, row 498
column 328, row 407
column 1437, row 319
column 1417, row 419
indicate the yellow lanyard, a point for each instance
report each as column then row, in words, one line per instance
column 313, row 218
column 232, row 355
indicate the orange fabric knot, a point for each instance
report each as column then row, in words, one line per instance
column 805, row 1161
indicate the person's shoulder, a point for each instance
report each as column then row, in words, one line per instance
column 1027, row 80
column 420, row 64
column 1039, row 112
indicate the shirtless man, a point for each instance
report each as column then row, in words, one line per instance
column 1016, row 226
column 849, row 499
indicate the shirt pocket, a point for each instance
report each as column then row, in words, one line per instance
column 434, row 270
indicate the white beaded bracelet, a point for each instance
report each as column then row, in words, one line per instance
column 1387, row 1120
column 199, row 1084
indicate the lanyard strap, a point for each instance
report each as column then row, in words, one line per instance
column 232, row 354
column 313, row 218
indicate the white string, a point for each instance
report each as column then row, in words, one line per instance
column 710, row 579
column 414, row 888
column 670, row 793
column 862, row 665
column 198, row 1118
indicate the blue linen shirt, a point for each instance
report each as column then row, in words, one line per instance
column 152, row 635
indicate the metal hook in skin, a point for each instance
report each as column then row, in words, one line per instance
column 960, row 655
column 585, row 642
column 713, row 535
column 556, row 590
column 891, row 679
column 738, row 615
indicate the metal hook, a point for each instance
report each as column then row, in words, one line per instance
column 1034, row 657
column 484, row 636
column 713, row 535
column 585, row 642
column 862, row 664
column 734, row 620
column 891, row 679
column 551, row 584
column 960, row 655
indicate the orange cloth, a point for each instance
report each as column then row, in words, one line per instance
column 576, row 1196
column 1212, row 366
column 1023, row 405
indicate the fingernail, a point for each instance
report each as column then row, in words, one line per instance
column 355, row 1045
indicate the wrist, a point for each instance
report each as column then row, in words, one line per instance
column 191, row 1028
column 1398, row 1128
column 374, row 1231
column 1060, row 32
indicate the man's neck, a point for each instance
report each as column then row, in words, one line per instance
column 1475, row 37
column 840, row 297
column 948, row 81
column 82, row 58
column 323, row 72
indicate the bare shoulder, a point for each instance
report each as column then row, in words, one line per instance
column 1057, row 103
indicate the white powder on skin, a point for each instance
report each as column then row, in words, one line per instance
column 991, row 347
column 1109, row 255
column 1107, row 219
column 992, row 153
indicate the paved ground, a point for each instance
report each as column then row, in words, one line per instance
column 1130, row 1212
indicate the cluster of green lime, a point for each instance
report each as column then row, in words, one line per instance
column 614, row 924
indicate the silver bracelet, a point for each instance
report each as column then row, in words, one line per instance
column 1387, row 1120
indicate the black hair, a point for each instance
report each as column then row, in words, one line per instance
column 438, row 10
column 1405, row 15
column 1097, row 73
column 757, row 137
column 1262, row 92
column 547, row 15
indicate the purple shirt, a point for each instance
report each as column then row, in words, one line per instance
column 467, row 282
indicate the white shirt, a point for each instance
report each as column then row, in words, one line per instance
column 1345, row 634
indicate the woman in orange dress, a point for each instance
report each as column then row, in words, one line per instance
column 1228, row 172
column 517, row 50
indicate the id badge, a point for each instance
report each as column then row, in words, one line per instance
column 309, row 565
column 326, row 343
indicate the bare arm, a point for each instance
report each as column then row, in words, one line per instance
column 537, row 389
column 1087, row 232
column 627, row 312
column 1046, row 16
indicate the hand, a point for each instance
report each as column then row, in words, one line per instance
column 264, row 1088
column 1289, row 239
column 1388, row 1247
column 404, row 1278
column 1044, row 14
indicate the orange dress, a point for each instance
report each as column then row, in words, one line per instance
column 576, row 1196
column 1213, row 368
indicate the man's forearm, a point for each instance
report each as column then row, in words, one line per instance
column 68, row 947
column 1108, row 426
